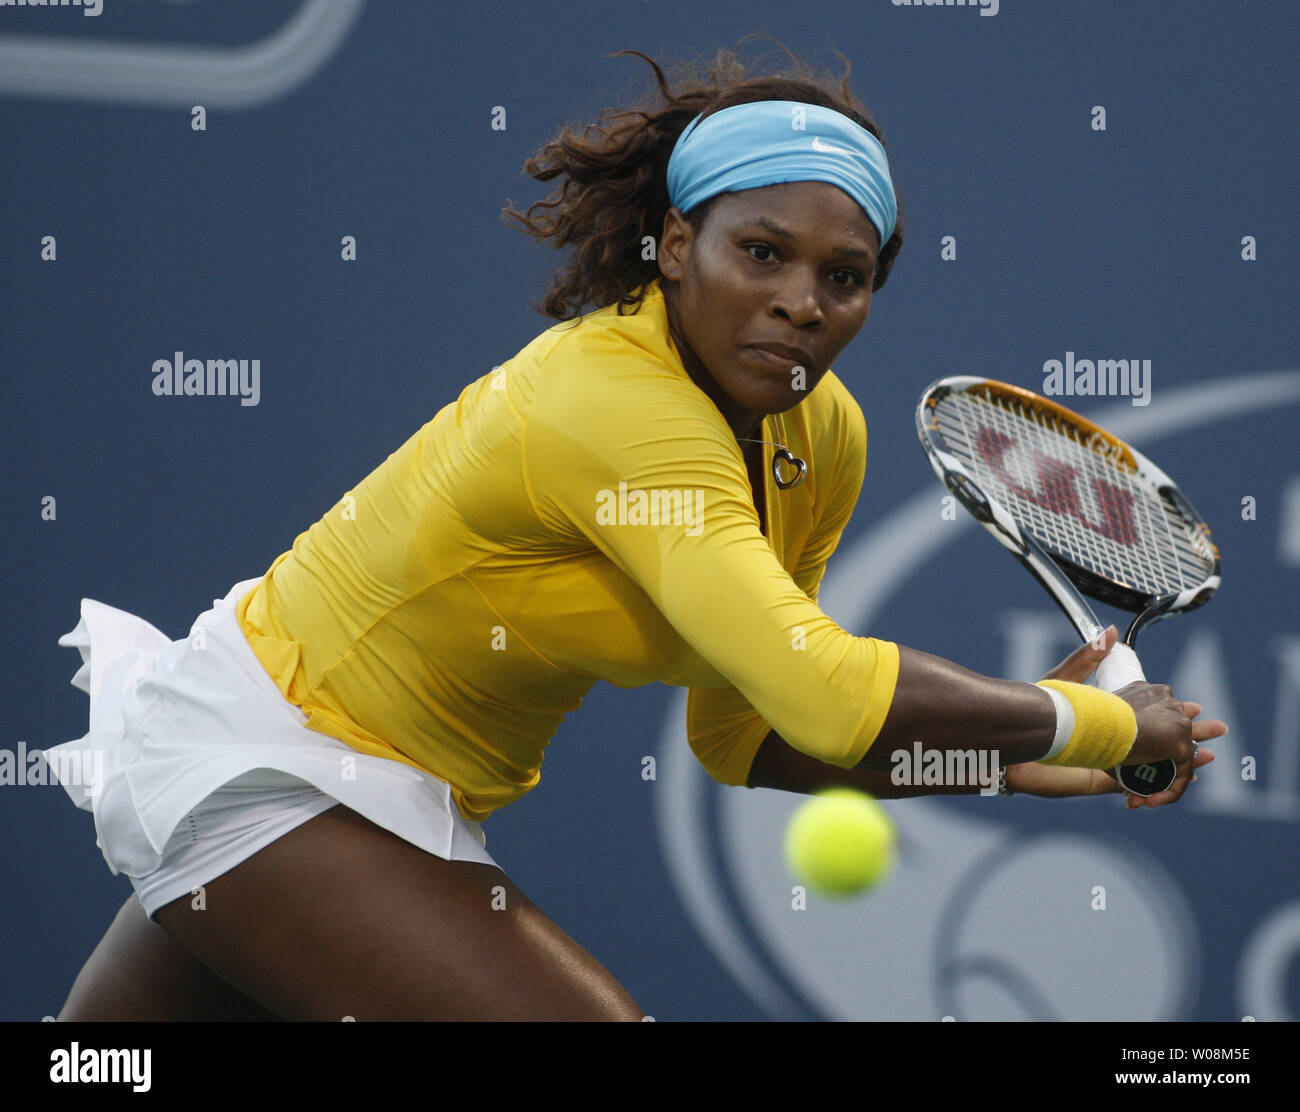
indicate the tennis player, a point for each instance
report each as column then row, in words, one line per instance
column 648, row 492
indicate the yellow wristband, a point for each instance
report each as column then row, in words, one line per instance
column 1105, row 727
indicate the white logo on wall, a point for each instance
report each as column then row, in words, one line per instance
column 167, row 74
column 980, row 920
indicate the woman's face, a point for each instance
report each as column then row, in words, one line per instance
column 788, row 264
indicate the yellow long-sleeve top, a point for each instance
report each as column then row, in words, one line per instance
column 582, row 512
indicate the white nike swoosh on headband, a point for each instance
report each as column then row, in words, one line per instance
column 818, row 145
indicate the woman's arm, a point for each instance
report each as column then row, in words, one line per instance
column 777, row 765
column 937, row 703
column 780, row 766
column 944, row 706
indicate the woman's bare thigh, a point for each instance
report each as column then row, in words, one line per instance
column 341, row 918
column 139, row 972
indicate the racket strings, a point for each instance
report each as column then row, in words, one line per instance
column 1090, row 507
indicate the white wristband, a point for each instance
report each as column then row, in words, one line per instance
column 1064, row 723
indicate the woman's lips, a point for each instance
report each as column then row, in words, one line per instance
column 781, row 362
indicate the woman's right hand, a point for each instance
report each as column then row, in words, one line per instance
column 1164, row 729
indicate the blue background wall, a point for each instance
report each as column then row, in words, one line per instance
column 1120, row 243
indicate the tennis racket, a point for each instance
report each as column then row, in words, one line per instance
column 1084, row 512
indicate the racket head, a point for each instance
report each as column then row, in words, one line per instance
column 1114, row 523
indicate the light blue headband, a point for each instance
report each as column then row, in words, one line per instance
column 767, row 142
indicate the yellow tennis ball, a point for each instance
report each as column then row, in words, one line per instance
column 839, row 843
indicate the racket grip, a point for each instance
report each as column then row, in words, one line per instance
column 1119, row 668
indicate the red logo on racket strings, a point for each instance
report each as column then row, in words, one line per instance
column 1059, row 491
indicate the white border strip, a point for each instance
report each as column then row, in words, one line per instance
column 169, row 74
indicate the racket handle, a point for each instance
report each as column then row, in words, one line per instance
column 1119, row 668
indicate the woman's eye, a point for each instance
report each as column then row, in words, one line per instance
column 858, row 279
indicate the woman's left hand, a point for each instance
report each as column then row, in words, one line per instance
column 1058, row 782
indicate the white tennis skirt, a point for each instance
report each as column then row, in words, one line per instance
column 195, row 760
